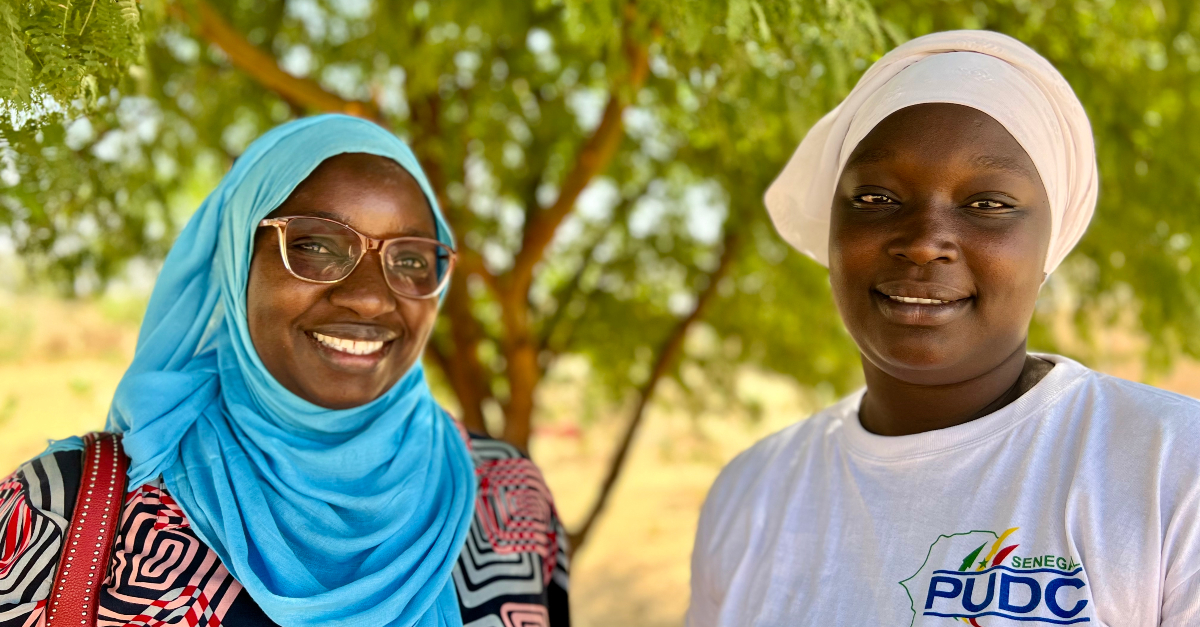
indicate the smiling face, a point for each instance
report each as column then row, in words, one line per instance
column 344, row 344
column 940, row 227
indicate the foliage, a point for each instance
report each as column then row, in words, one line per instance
column 602, row 162
column 66, row 50
column 513, row 94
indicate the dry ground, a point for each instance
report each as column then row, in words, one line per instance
column 59, row 364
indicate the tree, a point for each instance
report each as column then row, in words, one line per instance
column 602, row 163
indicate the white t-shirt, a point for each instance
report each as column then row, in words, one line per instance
column 1079, row 503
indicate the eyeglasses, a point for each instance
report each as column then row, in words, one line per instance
column 319, row 250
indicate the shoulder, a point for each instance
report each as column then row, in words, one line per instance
column 1122, row 392
column 485, row 448
column 1167, row 405
column 1120, row 405
column 36, row 503
column 507, row 476
column 504, row 471
column 783, row 453
column 744, row 493
column 515, row 519
column 50, row 481
column 1130, row 437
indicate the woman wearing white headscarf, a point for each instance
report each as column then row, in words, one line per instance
column 970, row 481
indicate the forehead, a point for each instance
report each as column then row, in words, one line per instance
column 358, row 171
column 371, row 193
column 937, row 133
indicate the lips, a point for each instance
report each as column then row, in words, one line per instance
column 352, row 346
column 909, row 291
column 920, row 303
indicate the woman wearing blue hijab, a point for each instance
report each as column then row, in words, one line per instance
column 288, row 464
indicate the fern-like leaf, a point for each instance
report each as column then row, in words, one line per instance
column 129, row 11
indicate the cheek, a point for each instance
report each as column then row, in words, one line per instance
column 419, row 316
column 1014, row 259
column 273, row 300
column 261, row 292
column 1009, row 274
column 851, row 262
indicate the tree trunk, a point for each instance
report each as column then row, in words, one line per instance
column 467, row 376
column 520, row 353
column 671, row 347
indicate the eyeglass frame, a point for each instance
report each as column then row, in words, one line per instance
column 368, row 244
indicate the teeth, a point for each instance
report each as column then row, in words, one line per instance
column 348, row 346
column 918, row 301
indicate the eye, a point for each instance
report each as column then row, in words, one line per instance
column 874, row 199
column 312, row 247
column 988, row 204
column 410, row 262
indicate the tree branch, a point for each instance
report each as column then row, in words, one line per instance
column 262, row 67
column 567, row 294
column 426, row 119
column 592, row 159
column 464, row 371
column 667, row 353
column 468, row 377
column 520, row 345
column 564, row 298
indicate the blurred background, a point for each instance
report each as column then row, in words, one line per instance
column 624, row 309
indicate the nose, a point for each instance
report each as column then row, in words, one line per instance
column 925, row 234
column 365, row 291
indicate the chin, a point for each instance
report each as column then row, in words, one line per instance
column 343, row 396
column 348, row 403
column 334, row 385
column 918, row 362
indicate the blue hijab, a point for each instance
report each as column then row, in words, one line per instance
column 326, row 517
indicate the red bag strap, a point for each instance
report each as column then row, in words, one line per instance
column 88, row 541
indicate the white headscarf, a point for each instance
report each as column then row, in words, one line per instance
column 993, row 73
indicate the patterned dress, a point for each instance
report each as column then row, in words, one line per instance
column 512, row 571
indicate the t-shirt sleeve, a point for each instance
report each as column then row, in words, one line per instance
column 515, row 519
column 716, row 540
column 1181, row 552
column 1180, row 501
column 706, row 598
column 1181, row 605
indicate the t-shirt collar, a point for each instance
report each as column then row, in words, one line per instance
column 1064, row 375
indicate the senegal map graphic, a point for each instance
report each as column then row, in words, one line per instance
column 979, row 578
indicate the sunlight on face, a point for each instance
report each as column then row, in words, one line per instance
column 940, row 227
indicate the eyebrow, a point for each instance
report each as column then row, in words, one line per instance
column 872, row 156
column 1005, row 164
column 407, row 232
column 990, row 162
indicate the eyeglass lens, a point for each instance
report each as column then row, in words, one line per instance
column 321, row 250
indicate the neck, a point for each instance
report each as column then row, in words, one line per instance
column 894, row 407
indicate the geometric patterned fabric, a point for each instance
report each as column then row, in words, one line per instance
column 512, row 572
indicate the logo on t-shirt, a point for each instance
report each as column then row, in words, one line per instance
column 985, row 578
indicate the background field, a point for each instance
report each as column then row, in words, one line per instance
column 60, row 362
